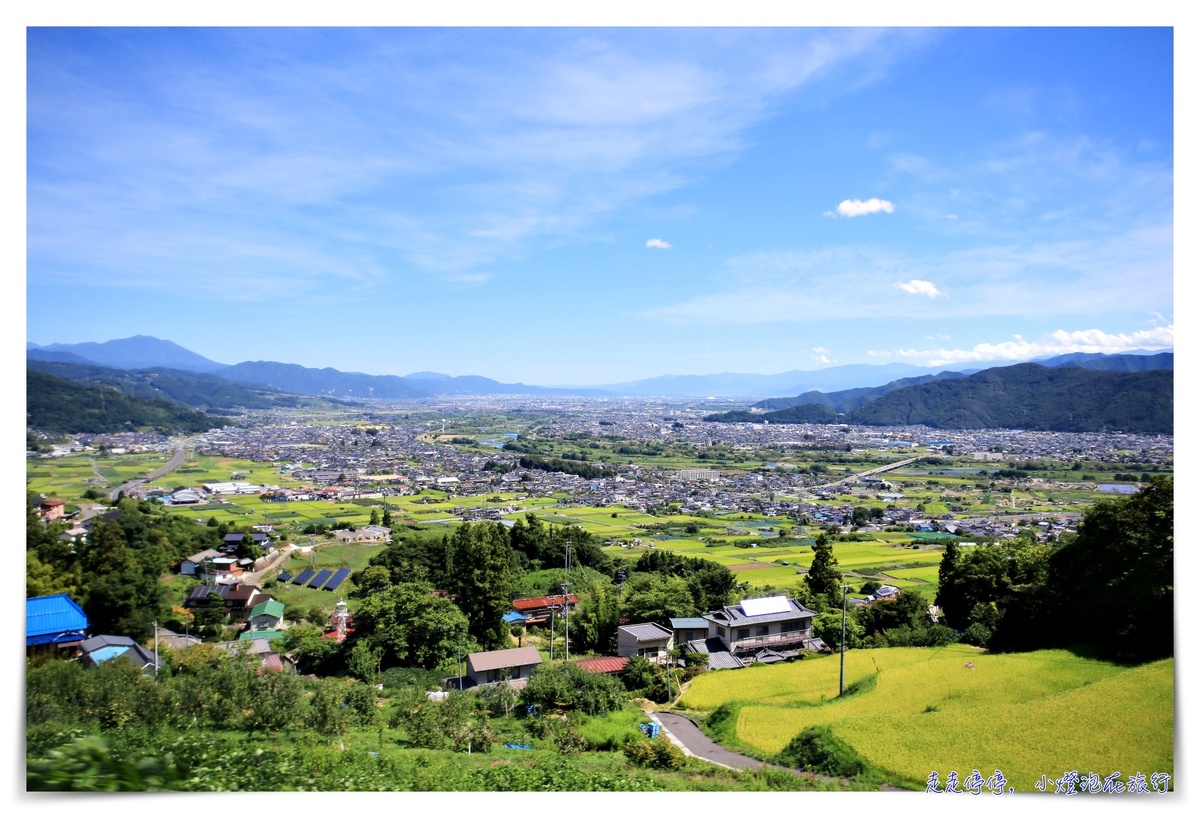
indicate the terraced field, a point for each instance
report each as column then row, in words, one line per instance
column 957, row 708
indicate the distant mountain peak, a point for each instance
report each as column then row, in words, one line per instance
column 428, row 376
column 137, row 352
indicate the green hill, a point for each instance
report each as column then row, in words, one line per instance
column 61, row 407
column 1030, row 396
column 1025, row 396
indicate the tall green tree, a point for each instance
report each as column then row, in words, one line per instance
column 823, row 578
column 594, row 620
column 1113, row 585
column 481, row 580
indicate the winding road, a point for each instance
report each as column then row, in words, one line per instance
column 684, row 733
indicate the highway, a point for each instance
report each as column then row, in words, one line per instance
column 177, row 460
column 851, row 478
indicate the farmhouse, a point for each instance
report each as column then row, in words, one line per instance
column 537, row 609
column 52, row 510
column 101, row 649
column 514, row 664
column 194, row 565
column 765, row 629
column 648, row 639
column 54, row 620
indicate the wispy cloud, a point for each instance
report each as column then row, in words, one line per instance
column 820, row 355
column 323, row 134
column 659, row 244
column 919, row 287
column 1059, row 342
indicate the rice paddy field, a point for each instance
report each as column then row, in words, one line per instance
column 960, row 709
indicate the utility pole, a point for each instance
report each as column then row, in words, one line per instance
column 156, row 649
column 567, row 606
column 842, row 681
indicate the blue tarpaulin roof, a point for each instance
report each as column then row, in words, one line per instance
column 513, row 616
column 53, row 619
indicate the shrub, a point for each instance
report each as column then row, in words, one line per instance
column 816, row 750
column 977, row 634
column 659, row 754
column 571, row 687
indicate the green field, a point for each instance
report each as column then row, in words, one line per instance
column 1028, row 715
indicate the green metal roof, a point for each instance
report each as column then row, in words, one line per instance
column 272, row 607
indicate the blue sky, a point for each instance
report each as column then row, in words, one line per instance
column 589, row 206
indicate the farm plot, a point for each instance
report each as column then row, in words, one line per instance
column 1123, row 723
column 810, row 681
column 1045, row 712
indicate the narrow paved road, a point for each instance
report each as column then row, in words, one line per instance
column 690, row 737
column 683, row 731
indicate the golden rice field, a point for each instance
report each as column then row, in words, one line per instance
column 1028, row 715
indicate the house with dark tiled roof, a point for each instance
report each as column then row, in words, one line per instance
column 765, row 629
column 100, row 649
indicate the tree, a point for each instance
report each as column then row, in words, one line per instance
column 480, row 580
column 950, row 597
column 326, row 711
column 570, row 687
column 594, row 620
column 312, row 652
column 655, row 598
column 1113, row 584
column 828, row 628
column 823, row 578
column 372, row 580
column 906, row 610
column 375, row 518
column 364, row 661
column 412, row 627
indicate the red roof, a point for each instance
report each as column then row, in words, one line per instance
column 52, row 503
column 604, row 664
column 533, row 603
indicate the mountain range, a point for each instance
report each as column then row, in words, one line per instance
column 147, row 367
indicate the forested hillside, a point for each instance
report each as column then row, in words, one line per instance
column 58, row 406
column 1025, row 396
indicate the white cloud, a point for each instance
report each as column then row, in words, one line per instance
column 919, row 287
column 659, row 244
column 820, row 355
column 856, row 207
column 1059, row 342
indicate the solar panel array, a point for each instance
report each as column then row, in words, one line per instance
column 320, row 578
column 304, row 576
column 284, row 576
column 766, row 605
column 337, row 579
